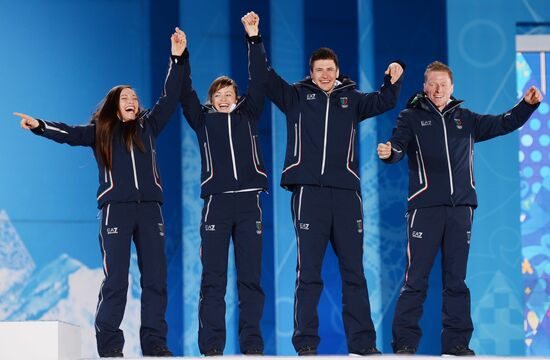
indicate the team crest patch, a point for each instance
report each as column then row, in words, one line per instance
column 258, row 227
column 360, row 226
column 161, row 229
column 344, row 102
column 458, row 124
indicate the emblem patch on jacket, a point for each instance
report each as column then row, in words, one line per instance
column 161, row 229
column 458, row 124
column 258, row 227
column 360, row 226
column 310, row 96
column 344, row 102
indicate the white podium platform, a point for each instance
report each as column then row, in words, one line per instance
column 39, row 340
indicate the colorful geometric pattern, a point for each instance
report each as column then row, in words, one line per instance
column 534, row 157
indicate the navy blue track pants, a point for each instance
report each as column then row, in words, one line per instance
column 429, row 229
column 237, row 216
column 321, row 214
column 120, row 223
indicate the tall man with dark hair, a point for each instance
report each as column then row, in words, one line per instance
column 323, row 112
column 438, row 136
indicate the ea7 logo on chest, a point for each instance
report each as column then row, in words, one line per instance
column 210, row 227
column 426, row 123
column 310, row 96
column 417, row 234
column 304, row 226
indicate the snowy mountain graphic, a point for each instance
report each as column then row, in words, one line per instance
column 64, row 289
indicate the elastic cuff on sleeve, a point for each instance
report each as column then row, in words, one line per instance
column 41, row 127
column 254, row 39
column 179, row 59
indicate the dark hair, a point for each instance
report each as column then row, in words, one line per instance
column 322, row 54
column 106, row 118
column 438, row 66
column 219, row 83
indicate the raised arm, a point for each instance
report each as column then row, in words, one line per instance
column 190, row 103
column 490, row 126
column 256, row 58
column 159, row 115
column 378, row 102
column 59, row 132
column 276, row 88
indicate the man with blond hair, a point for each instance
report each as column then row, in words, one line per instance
column 438, row 135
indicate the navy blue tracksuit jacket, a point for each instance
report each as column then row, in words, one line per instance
column 441, row 202
column 321, row 169
column 440, row 148
column 129, row 196
column 232, row 176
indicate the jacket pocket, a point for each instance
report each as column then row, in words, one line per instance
column 295, row 157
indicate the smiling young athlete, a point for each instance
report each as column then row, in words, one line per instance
column 130, row 195
column 232, row 176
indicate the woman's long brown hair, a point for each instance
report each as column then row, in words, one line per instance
column 105, row 119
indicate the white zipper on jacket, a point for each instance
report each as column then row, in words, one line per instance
column 156, row 176
column 298, row 146
column 295, row 139
column 350, row 152
column 447, row 151
column 256, row 149
column 255, row 157
column 326, row 126
column 421, row 162
column 134, row 167
column 206, row 157
column 326, row 134
column 418, row 165
column 471, row 163
column 231, row 147
column 442, row 115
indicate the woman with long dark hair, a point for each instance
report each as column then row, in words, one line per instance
column 232, row 177
column 122, row 136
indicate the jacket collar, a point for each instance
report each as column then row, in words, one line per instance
column 421, row 101
column 343, row 82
